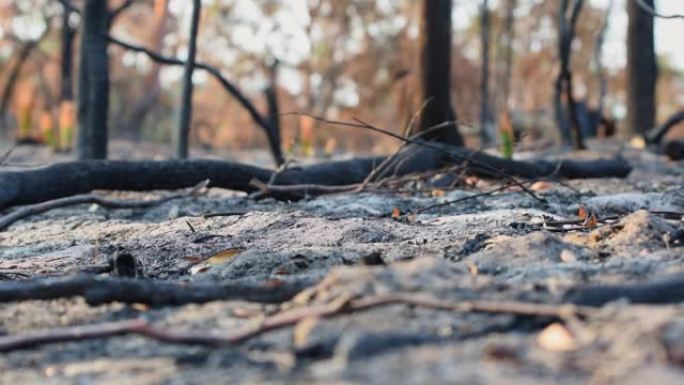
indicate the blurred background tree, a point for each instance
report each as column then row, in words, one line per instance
column 336, row 58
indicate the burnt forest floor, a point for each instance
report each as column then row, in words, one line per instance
column 496, row 248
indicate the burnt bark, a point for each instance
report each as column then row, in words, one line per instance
column 486, row 134
column 70, row 178
column 182, row 134
column 657, row 134
column 508, row 53
column 642, row 69
column 68, row 34
column 271, row 94
column 566, row 113
column 101, row 290
column 662, row 291
column 93, row 87
column 436, row 74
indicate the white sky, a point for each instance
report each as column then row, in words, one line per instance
column 668, row 32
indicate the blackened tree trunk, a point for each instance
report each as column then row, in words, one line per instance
column 93, row 87
column 566, row 115
column 486, row 134
column 67, row 55
column 436, row 74
column 598, row 62
column 642, row 69
column 183, row 130
column 271, row 94
column 508, row 53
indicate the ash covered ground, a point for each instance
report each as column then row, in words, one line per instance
column 494, row 248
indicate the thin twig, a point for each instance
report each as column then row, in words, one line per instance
column 39, row 208
column 468, row 158
column 301, row 189
column 651, row 11
column 462, row 199
column 286, row 318
column 6, row 155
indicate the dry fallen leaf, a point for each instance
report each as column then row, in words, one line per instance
column 541, row 185
column 582, row 212
column 224, row 255
column 396, row 213
column 437, row 193
column 591, row 221
column 556, row 338
column 193, row 258
column 302, row 331
column 140, row 307
column 201, row 268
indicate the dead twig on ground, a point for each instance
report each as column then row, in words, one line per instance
column 6, row 155
column 39, row 208
column 462, row 199
column 558, row 226
column 300, row 189
column 341, row 305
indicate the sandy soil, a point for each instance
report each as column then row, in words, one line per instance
column 491, row 247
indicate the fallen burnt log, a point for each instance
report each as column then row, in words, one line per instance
column 77, row 177
column 674, row 149
column 664, row 291
column 101, row 290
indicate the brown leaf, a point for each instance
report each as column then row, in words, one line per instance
column 193, row 258
column 437, row 193
column 582, row 212
column 591, row 221
column 224, row 255
column 396, row 213
column 541, row 185
column 199, row 269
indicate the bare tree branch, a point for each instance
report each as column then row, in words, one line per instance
column 650, row 10
column 338, row 306
column 232, row 89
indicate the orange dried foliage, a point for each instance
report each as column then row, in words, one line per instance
column 66, row 124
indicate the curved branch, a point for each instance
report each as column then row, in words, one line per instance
column 232, row 89
column 650, row 10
